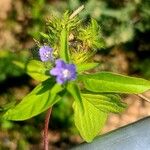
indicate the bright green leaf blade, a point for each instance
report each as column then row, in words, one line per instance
column 90, row 122
column 37, row 70
column 39, row 100
column 64, row 51
column 114, row 83
column 74, row 90
column 106, row 102
column 86, row 66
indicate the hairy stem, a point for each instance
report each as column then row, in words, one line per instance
column 77, row 11
column 143, row 97
column 45, row 138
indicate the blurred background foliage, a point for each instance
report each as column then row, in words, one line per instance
column 125, row 27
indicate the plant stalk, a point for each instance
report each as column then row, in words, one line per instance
column 144, row 98
column 77, row 11
column 45, row 138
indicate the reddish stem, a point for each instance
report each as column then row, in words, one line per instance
column 47, row 118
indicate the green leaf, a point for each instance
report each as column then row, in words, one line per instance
column 64, row 51
column 37, row 70
column 86, row 66
column 19, row 64
column 74, row 90
column 114, row 83
column 39, row 100
column 90, row 122
column 106, row 102
column 7, row 106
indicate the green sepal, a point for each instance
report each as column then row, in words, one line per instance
column 45, row 95
column 108, row 82
column 98, row 42
column 95, row 26
column 44, row 35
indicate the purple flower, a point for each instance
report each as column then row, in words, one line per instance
column 63, row 71
column 45, row 53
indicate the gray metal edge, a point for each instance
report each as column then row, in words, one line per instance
column 135, row 136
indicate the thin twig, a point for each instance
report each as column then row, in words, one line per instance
column 77, row 11
column 144, row 98
column 47, row 118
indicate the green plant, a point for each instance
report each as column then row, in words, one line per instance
column 64, row 72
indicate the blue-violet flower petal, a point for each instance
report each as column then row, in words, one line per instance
column 63, row 71
column 46, row 53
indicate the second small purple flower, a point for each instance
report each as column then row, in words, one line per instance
column 46, row 53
